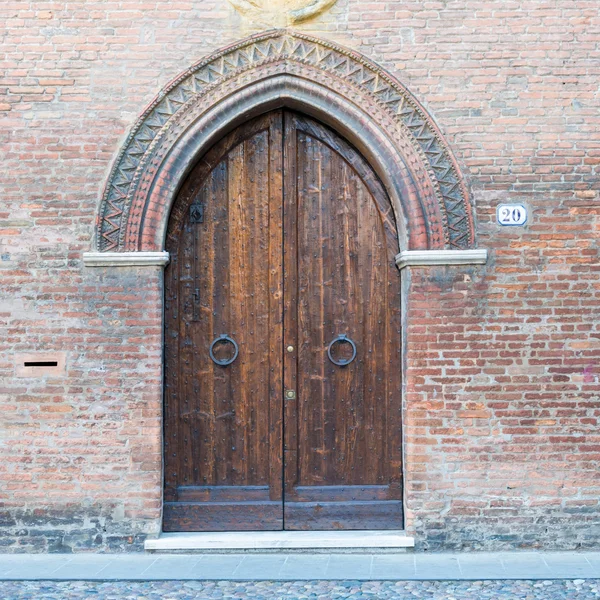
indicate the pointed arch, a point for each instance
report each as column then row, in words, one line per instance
column 369, row 107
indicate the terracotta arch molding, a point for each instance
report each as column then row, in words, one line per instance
column 375, row 112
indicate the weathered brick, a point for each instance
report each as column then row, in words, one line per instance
column 502, row 379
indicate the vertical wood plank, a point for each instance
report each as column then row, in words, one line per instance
column 276, row 307
column 290, row 308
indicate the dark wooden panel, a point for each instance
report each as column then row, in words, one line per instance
column 223, row 423
column 222, row 493
column 344, row 427
column 382, row 514
column 340, row 493
column 211, row 516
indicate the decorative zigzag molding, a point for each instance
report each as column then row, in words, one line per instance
column 370, row 81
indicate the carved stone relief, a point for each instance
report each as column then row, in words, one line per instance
column 281, row 13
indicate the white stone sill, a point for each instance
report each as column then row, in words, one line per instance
column 426, row 258
column 125, row 259
column 280, row 540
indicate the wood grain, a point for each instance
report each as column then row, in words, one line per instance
column 346, row 419
column 297, row 247
column 218, row 419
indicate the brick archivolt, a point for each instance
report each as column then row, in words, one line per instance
column 367, row 105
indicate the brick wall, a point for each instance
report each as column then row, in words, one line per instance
column 81, row 453
column 502, row 362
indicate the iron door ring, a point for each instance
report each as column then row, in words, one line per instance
column 226, row 361
column 341, row 339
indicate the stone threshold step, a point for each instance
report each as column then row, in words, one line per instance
column 281, row 540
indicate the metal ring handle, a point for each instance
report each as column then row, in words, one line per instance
column 226, row 361
column 342, row 339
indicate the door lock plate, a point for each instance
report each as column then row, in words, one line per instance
column 197, row 213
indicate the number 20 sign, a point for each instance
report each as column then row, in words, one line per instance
column 511, row 214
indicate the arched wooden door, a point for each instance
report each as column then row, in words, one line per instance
column 282, row 246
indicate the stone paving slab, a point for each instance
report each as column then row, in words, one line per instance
column 302, row 567
column 298, row 590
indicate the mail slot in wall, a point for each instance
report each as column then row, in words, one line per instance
column 40, row 364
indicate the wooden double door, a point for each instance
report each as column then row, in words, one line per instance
column 282, row 338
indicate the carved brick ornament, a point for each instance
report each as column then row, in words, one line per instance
column 284, row 12
column 432, row 205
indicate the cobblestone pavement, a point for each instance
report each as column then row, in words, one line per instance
column 578, row 589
